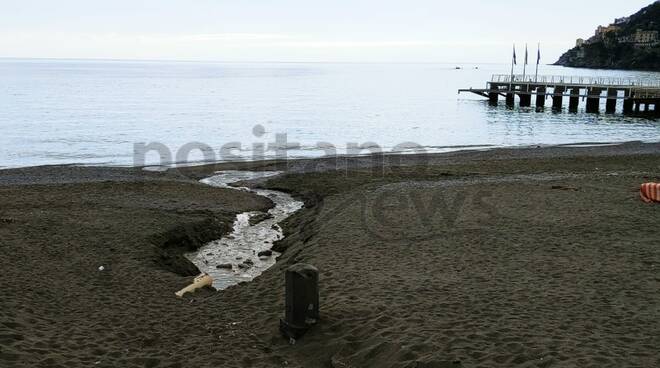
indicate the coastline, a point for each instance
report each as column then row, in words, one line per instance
column 427, row 290
column 244, row 162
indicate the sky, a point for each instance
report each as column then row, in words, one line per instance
column 463, row 31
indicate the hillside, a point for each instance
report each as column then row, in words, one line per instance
column 628, row 43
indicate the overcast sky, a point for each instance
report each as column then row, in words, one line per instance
column 300, row 30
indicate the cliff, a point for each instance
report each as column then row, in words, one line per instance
column 629, row 43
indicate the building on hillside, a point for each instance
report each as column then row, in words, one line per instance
column 579, row 42
column 641, row 38
column 624, row 20
column 646, row 36
column 601, row 30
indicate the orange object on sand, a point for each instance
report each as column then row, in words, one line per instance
column 650, row 192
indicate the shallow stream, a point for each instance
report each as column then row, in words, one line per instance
column 235, row 257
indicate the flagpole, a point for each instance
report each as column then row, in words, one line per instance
column 525, row 64
column 538, row 60
column 513, row 61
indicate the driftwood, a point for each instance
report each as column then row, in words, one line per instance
column 199, row 282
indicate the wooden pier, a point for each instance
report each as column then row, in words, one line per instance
column 638, row 96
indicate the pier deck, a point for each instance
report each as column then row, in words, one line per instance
column 638, row 95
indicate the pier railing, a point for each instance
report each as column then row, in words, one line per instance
column 646, row 93
column 578, row 80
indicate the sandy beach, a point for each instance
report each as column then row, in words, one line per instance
column 530, row 257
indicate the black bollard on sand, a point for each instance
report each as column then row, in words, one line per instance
column 302, row 300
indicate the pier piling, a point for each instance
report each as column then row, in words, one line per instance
column 574, row 101
column 634, row 92
column 610, row 105
column 493, row 96
column 525, row 97
column 593, row 100
column 510, row 99
column 540, row 97
column 628, row 103
column 558, row 99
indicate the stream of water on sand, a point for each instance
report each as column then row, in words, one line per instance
column 235, row 257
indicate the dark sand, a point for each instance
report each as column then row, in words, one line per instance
column 525, row 257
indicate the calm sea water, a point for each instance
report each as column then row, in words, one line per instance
column 94, row 112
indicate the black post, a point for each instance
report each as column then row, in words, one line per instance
column 540, row 97
column 493, row 95
column 628, row 102
column 510, row 99
column 574, row 101
column 558, row 97
column 610, row 106
column 593, row 100
column 525, row 96
column 301, row 300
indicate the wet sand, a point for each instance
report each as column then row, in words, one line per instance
column 515, row 257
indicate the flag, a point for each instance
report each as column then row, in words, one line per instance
column 538, row 56
column 514, row 55
column 526, row 55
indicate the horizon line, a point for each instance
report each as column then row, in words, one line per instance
column 3, row 58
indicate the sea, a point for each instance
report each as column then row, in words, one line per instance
column 125, row 113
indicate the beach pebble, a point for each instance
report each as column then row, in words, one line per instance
column 246, row 264
column 265, row 253
column 260, row 217
column 226, row 266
